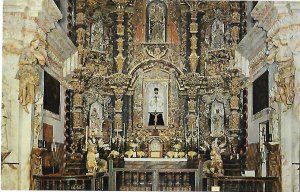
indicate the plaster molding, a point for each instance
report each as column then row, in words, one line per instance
column 29, row 6
column 259, row 58
column 32, row 8
column 253, row 40
column 60, row 49
column 264, row 13
column 48, row 16
column 60, row 44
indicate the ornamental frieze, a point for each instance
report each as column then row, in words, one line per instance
column 119, row 80
column 151, row 51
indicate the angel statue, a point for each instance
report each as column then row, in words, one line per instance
column 28, row 73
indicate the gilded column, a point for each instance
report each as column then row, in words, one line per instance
column 81, row 30
column 75, row 154
column 193, row 58
column 120, row 58
column 234, row 117
column 119, row 81
column 78, row 117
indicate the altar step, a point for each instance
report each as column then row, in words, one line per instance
column 232, row 167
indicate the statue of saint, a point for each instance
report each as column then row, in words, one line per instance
column 28, row 73
column 95, row 123
column 217, row 36
column 157, row 22
column 285, row 76
column 97, row 36
column 217, row 122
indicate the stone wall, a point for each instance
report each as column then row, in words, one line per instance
column 273, row 45
column 24, row 21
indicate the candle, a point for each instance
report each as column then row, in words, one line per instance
column 86, row 137
column 117, row 130
column 124, row 130
column 192, row 130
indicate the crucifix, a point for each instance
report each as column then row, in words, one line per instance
column 156, row 116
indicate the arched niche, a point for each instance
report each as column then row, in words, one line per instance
column 156, row 22
column 95, row 119
column 146, row 79
column 217, row 34
column 217, row 119
column 97, row 35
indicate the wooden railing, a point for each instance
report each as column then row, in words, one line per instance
column 181, row 179
column 124, row 179
column 244, row 184
column 71, row 182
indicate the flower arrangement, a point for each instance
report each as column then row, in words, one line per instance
column 129, row 154
column 177, row 147
column 175, row 144
column 192, row 154
column 181, row 154
column 141, row 153
column 133, row 145
column 114, row 153
column 170, row 154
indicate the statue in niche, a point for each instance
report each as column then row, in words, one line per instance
column 215, row 165
column 217, row 35
column 97, row 36
column 95, row 123
column 217, row 120
column 28, row 73
column 156, row 109
column 156, row 22
column 284, row 78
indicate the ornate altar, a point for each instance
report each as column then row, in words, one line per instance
column 160, row 90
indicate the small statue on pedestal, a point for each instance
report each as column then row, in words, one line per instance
column 91, row 163
column 215, row 165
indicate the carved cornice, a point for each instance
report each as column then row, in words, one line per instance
column 250, row 44
column 215, row 82
column 119, row 80
column 258, row 59
column 265, row 14
column 60, row 44
column 97, row 82
column 33, row 7
column 193, row 80
column 49, row 15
